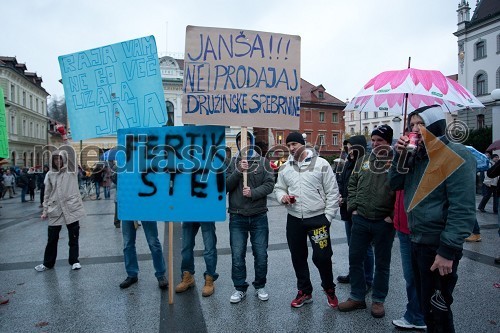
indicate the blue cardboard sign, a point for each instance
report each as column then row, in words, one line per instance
column 171, row 174
column 112, row 87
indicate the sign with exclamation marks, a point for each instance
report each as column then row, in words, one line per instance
column 241, row 78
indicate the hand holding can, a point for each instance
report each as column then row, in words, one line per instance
column 414, row 138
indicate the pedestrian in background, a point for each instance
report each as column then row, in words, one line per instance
column 106, row 182
column 62, row 205
column 41, row 183
column 307, row 186
column 8, row 181
column 31, row 183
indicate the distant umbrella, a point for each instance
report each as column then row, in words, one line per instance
column 494, row 146
column 483, row 162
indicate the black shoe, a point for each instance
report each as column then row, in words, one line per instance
column 117, row 224
column 128, row 282
column 497, row 260
column 343, row 278
column 162, row 282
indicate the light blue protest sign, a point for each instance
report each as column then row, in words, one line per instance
column 238, row 77
column 171, row 174
column 112, row 87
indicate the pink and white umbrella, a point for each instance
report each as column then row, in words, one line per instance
column 387, row 91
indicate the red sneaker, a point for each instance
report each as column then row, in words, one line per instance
column 331, row 298
column 301, row 299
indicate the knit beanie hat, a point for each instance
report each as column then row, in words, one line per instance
column 295, row 137
column 433, row 117
column 385, row 132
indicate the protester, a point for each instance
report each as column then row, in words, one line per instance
column 441, row 221
column 62, row 205
column 189, row 231
column 129, row 232
column 356, row 147
column 248, row 216
column 106, row 182
column 307, row 186
column 371, row 202
column 413, row 317
column 97, row 178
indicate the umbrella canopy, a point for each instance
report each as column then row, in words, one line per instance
column 109, row 155
column 483, row 162
column 387, row 91
column 494, row 146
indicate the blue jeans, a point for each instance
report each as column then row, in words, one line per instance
column 129, row 252
column 365, row 232
column 413, row 313
column 239, row 228
column 435, row 292
column 369, row 260
column 189, row 231
column 107, row 192
column 24, row 190
column 97, row 189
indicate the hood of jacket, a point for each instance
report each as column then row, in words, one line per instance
column 433, row 117
column 359, row 145
column 251, row 148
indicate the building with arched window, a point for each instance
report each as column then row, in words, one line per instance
column 25, row 112
column 479, row 57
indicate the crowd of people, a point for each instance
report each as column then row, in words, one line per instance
column 375, row 192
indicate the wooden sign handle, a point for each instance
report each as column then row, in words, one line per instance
column 243, row 150
column 171, row 262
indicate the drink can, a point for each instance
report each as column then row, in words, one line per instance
column 414, row 138
column 292, row 199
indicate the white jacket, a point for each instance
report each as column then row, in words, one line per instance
column 313, row 183
column 62, row 202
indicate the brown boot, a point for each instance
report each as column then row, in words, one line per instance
column 378, row 310
column 473, row 238
column 209, row 287
column 351, row 305
column 186, row 283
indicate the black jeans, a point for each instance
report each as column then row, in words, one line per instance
column 317, row 228
column 50, row 256
column 433, row 290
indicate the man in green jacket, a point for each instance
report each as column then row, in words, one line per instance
column 371, row 202
column 440, row 202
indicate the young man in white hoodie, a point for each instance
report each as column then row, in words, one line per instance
column 307, row 186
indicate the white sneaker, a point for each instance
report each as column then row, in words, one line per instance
column 262, row 294
column 76, row 266
column 403, row 323
column 237, row 296
column 41, row 268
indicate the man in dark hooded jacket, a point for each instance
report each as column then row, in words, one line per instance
column 248, row 216
column 442, row 218
column 356, row 148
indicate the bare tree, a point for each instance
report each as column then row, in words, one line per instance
column 57, row 110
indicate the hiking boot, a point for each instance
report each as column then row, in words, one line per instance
column 301, row 299
column 186, row 283
column 331, row 298
column 343, row 278
column 351, row 305
column 378, row 310
column 41, row 268
column 403, row 323
column 237, row 296
column 473, row 238
column 262, row 294
column 162, row 282
column 128, row 282
column 208, row 288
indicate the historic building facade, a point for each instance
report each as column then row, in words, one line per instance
column 25, row 112
column 478, row 40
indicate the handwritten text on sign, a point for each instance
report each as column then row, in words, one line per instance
column 112, row 87
column 172, row 174
column 241, row 78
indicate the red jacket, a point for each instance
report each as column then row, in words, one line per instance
column 400, row 218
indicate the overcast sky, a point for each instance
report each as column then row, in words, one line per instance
column 344, row 42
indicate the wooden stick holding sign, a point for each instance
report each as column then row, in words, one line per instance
column 243, row 151
column 171, row 262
